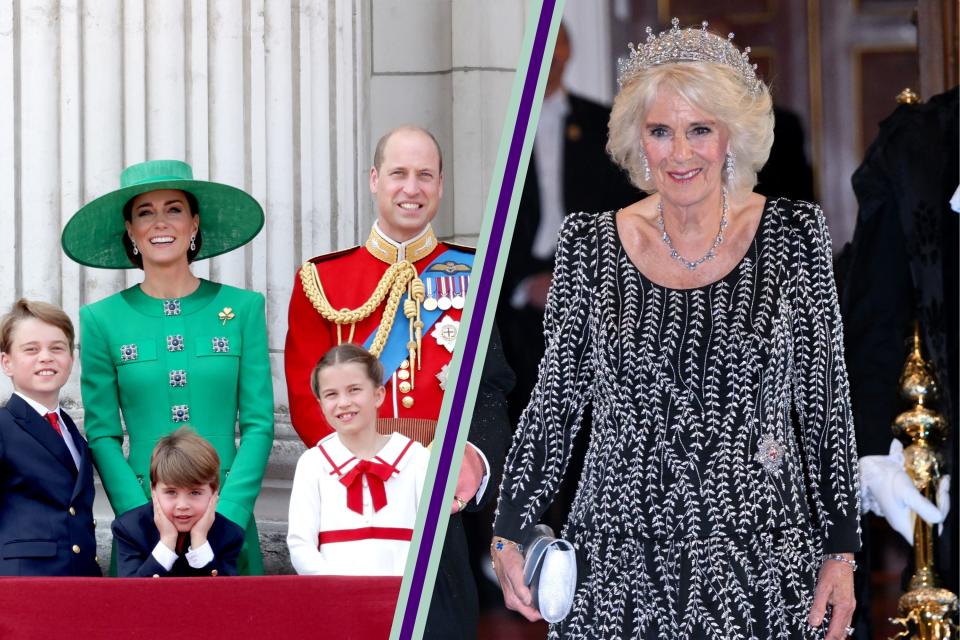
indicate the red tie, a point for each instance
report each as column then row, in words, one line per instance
column 181, row 541
column 54, row 422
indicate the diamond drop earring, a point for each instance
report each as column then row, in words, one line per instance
column 135, row 250
column 729, row 165
column 193, row 246
column 646, row 166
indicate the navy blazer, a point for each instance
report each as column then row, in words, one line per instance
column 136, row 534
column 46, row 503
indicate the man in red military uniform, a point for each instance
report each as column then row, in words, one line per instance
column 343, row 296
column 401, row 295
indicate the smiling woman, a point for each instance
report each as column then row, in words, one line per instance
column 719, row 492
column 162, row 226
column 175, row 350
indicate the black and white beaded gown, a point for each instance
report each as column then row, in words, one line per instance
column 721, row 462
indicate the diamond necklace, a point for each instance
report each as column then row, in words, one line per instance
column 711, row 252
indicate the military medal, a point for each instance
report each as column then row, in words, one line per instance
column 444, row 302
column 459, row 300
column 445, row 333
column 430, row 304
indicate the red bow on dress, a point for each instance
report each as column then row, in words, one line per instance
column 377, row 473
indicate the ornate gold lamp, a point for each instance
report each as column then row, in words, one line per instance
column 926, row 610
column 908, row 96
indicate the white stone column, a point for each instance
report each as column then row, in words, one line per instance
column 39, row 152
column 486, row 48
column 9, row 148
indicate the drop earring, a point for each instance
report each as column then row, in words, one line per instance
column 729, row 165
column 646, row 166
column 193, row 245
column 134, row 244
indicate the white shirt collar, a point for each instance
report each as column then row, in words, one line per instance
column 344, row 460
column 39, row 408
column 400, row 246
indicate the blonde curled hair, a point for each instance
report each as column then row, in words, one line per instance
column 713, row 88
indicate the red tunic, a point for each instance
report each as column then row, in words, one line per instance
column 349, row 278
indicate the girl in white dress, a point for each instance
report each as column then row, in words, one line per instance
column 355, row 494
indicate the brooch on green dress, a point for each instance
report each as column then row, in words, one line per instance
column 178, row 378
column 175, row 343
column 181, row 413
column 171, row 307
column 226, row 314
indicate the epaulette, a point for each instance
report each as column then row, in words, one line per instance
column 336, row 254
column 460, row 247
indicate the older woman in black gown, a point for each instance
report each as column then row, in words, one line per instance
column 719, row 495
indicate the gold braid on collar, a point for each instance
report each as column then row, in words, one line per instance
column 399, row 278
column 385, row 249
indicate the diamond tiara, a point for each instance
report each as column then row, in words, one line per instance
column 688, row 45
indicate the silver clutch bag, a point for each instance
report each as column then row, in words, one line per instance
column 550, row 572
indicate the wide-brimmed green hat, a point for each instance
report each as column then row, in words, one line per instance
column 229, row 217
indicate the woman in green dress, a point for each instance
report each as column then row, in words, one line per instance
column 175, row 350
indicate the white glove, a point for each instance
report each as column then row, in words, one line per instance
column 887, row 490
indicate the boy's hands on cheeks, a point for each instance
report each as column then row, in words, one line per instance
column 168, row 530
column 198, row 535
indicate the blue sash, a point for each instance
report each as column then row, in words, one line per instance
column 395, row 350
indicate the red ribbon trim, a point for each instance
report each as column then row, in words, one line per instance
column 399, row 457
column 336, row 467
column 364, row 533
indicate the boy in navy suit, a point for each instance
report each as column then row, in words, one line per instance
column 46, row 473
column 180, row 532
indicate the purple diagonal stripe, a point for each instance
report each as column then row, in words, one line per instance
column 481, row 299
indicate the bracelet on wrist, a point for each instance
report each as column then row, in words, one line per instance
column 840, row 558
column 499, row 544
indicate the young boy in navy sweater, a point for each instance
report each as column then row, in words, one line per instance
column 179, row 533
column 46, row 473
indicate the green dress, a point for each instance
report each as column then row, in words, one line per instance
column 198, row 361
